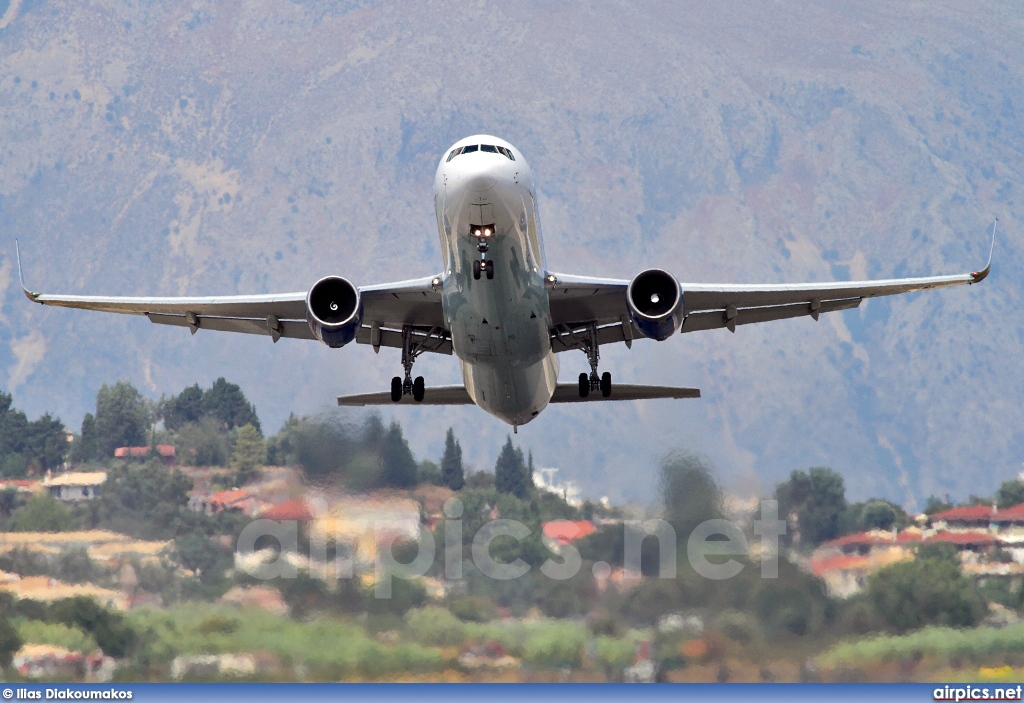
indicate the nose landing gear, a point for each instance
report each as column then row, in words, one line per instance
column 594, row 382
column 483, row 234
column 485, row 266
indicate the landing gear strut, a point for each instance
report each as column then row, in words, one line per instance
column 483, row 234
column 594, row 382
column 408, row 386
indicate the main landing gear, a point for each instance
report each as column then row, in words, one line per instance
column 408, row 386
column 594, row 382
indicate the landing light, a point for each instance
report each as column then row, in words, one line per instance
column 655, row 298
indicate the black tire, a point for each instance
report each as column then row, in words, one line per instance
column 476, row 270
column 490, row 269
column 418, row 389
column 584, row 385
column 606, row 384
column 396, row 389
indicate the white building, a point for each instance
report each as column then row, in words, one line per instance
column 84, row 485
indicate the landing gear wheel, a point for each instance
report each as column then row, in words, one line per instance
column 606, row 384
column 418, row 390
column 396, row 389
column 476, row 270
column 489, row 264
column 584, row 385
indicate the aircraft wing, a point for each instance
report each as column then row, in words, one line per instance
column 388, row 307
column 577, row 301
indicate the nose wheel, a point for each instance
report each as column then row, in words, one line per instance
column 593, row 382
column 485, row 267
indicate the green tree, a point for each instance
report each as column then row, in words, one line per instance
column 110, row 630
column 398, row 467
column 690, row 492
column 250, row 449
column 86, row 446
column 43, row 513
column 10, row 642
column 929, row 590
column 122, row 418
column 202, row 443
column 46, row 443
column 147, row 500
column 41, row 443
column 226, row 402
column 183, row 408
column 818, row 498
column 510, row 471
column 875, row 514
column 1010, row 493
column 452, row 473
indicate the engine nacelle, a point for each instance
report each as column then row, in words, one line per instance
column 334, row 311
column 655, row 303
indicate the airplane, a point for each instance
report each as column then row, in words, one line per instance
column 497, row 307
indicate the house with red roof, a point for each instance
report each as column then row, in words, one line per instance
column 964, row 518
column 563, row 532
column 164, row 451
column 288, row 510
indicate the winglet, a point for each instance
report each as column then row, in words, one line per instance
column 979, row 276
column 28, row 294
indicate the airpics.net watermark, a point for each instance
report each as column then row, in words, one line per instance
column 712, row 538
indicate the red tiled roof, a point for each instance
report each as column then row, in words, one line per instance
column 566, row 531
column 966, row 512
column 164, row 450
column 1015, row 513
column 843, row 562
column 229, row 497
column 964, row 538
column 289, row 510
column 909, row 536
column 18, row 482
column 857, row 539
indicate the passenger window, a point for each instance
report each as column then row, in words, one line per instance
column 488, row 148
column 468, row 149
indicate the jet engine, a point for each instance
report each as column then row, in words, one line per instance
column 334, row 311
column 655, row 303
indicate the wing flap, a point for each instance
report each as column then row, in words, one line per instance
column 716, row 319
column 294, row 329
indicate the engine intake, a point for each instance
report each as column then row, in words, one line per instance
column 334, row 311
column 655, row 303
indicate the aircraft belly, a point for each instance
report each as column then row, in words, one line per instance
column 500, row 327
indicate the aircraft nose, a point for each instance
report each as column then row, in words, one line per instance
column 480, row 182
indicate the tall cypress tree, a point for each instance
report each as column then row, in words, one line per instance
column 398, row 467
column 452, row 474
column 510, row 471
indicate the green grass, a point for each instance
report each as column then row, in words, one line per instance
column 329, row 647
column 979, row 645
column 71, row 638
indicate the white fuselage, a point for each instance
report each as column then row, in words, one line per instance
column 500, row 327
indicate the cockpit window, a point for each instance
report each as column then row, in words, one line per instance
column 489, row 148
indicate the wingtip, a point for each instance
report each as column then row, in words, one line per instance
column 979, row 276
column 21, row 276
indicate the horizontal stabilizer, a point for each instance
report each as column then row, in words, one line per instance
column 441, row 395
column 570, row 393
column 564, row 393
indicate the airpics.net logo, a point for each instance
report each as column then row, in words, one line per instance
column 977, row 693
column 265, row 548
